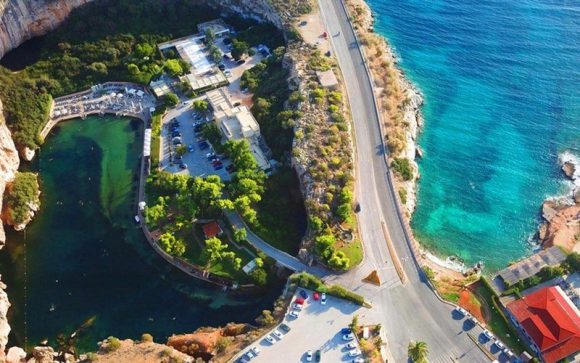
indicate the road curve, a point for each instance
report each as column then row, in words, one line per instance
column 409, row 311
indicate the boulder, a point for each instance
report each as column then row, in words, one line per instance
column 16, row 355
column 569, row 169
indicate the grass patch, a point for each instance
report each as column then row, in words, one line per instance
column 498, row 322
column 312, row 282
column 451, row 296
column 281, row 214
column 353, row 250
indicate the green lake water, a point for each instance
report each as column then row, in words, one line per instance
column 83, row 257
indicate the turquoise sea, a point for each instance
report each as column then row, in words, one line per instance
column 501, row 81
column 83, row 259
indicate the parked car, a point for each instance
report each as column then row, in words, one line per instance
column 354, row 353
column 183, row 166
column 309, row 356
column 210, row 156
column 230, row 168
column 270, row 339
column 255, row 350
column 358, row 360
column 218, row 167
column 499, row 344
column 316, row 296
column 323, row 298
column 240, row 62
column 221, row 67
column 285, row 328
column 190, row 148
column 345, row 331
column 487, row 334
column 297, row 307
column 227, row 41
column 348, row 337
column 461, row 311
column 304, row 294
column 203, row 145
column 277, row 334
column 250, row 355
column 294, row 314
column 351, row 346
column 318, row 355
column 228, row 73
column 216, row 162
column 176, row 140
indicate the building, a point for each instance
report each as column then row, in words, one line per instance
column 237, row 123
column 212, row 229
column 159, row 88
column 551, row 322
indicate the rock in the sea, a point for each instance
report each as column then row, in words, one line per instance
column 569, row 169
column 543, row 231
column 549, row 210
column 16, row 355
column 28, row 153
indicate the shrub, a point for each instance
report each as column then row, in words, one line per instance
column 112, row 344
column 403, row 167
column 312, row 282
column 20, row 193
column 429, row 273
column 403, row 195
column 222, row 344
column 146, row 337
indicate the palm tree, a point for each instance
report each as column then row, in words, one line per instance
column 418, row 352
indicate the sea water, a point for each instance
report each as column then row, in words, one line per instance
column 501, row 80
column 83, row 259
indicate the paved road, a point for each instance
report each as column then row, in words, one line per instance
column 410, row 311
column 281, row 257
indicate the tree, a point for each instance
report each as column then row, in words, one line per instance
column 338, row 260
column 20, row 194
column 266, row 319
column 215, row 53
column 180, row 150
column 171, row 245
column 144, row 50
column 213, row 250
column 207, row 193
column 173, row 67
column 200, row 105
column 171, row 99
column 354, row 323
column 133, row 69
column 157, row 212
column 239, row 48
column 260, row 276
column 209, row 36
column 323, row 244
column 212, row 132
column 572, row 263
column 240, row 234
column 418, row 352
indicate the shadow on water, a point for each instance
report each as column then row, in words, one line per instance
column 82, row 256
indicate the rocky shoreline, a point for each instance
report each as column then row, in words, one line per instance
column 561, row 226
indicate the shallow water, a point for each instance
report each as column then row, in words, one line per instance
column 500, row 80
column 83, row 257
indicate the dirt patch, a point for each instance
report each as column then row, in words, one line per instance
column 311, row 28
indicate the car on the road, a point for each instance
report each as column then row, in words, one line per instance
column 255, row 350
column 351, row 346
column 316, row 296
column 277, row 334
column 348, row 337
column 354, row 353
column 270, row 339
column 345, row 331
column 240, row 62
column 183, row 166
column 294, row 314
column 285, row 328
column 304, row 294
column 218, row 167
column 309, row 355
column 323, row 298
column 318, row 355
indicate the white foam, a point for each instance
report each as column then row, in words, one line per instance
column 447, row 263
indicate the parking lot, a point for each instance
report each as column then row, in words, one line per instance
column 195, row 158
column 317, row 327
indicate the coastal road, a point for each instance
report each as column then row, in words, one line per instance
column 409, row 311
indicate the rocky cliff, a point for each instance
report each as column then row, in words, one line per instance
column 25, row 19
column 9, row 163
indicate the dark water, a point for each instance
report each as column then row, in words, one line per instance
column 501, row 82
column 82, row 257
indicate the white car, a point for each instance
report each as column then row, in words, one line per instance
column 351, row 346
column 348, row 337
column 487, row 334
column 358, row 360
column 297, row 307
column 228, row 73
column 508, row 352
column 354, row 353
column 461, row 311
column 294, row 314
column 309, row 355
column 277, row 334
column 499, row 345
column 250, row 355
column 255, row 350
column 270, row 339
column 323, row 298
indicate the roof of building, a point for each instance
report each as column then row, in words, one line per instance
column 327, row 78
column 551, row 320
column 211, row 229
column 532, row 265
column 159, row 88
column 237, row 123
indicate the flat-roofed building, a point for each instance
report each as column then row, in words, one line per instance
column 237, row 123
column 327, row 79
column 159, row 88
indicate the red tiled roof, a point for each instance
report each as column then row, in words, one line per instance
column 551, row 321
column 211, row 229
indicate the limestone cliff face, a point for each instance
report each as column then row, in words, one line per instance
column 259, row 10
column 9, row 163
column 25, row 19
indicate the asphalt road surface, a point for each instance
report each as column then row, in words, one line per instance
column 409, row 311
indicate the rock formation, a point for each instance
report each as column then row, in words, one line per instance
column 9, row 163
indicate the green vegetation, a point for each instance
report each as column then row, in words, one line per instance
column 113, row 344
column 170, row 99
column 450, row 296
column 172, row 245
column 173, row 67
column 418, row 352
column 239, row 48
column 146, row 337
column 200, row 105
column 213, row 134
column 19, row 194
column 499, row 323
column 156, row 137
column 268, row 82
column 403, row 195
column 403, row 167
column 312, row 282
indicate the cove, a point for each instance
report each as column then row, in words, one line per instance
column 502, row 101
column 83, row 258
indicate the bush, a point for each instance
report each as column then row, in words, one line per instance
column 403, row 167
column 146, row 337
column 22, row 191
column 403, row 195
column 112, row 344
column 222, row 344
column 171, row 99
column 312, row 282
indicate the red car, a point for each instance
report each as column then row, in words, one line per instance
column 316, row 295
